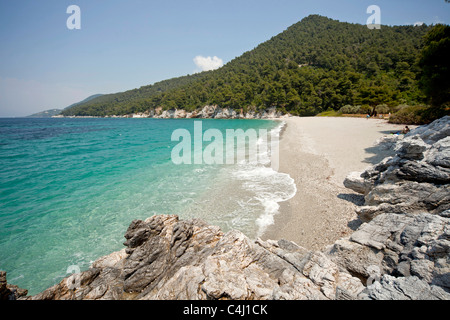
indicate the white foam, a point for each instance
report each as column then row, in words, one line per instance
column 268, row 186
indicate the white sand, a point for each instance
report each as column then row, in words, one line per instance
column 318, row 153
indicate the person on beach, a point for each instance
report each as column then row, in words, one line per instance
column 404, row 131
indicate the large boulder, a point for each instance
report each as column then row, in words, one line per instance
column 414, row 180
column 400, row 245
column 8, row 291
column 167, row 258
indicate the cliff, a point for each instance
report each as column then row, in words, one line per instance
column 401, row 251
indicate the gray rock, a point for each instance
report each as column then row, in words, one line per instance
column 435, row 131
column 405, row 197
column 414, row 180
column 357, row 183
column 403, row 288
column 439, row 153
column 212, row 112
column 396, row 244
column 424, row 172
column 411, row 147
column 171, row 259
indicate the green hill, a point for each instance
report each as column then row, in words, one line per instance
column 315, row 65
column 54, row 112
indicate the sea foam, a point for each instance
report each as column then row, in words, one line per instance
column 268, row 187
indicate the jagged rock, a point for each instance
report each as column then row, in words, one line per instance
column 407, row 288
column 412, row 147
column 439, row 154
column 423, row 172
column 404, row 197
column 414, row 180
column 403, row 245
column 435, row 131
column 8, row 291
column 170, row 259
column 357, row 183
column 213, row 112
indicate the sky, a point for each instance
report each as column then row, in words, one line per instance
column 120, row 45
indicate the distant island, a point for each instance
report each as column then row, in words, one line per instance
column 46, row 114
column 54, row 112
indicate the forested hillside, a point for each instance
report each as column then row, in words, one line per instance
column 315, row 65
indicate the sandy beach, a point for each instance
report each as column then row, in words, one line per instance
column 318, row 153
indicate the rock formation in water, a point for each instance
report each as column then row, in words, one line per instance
column 8, row 291
column 401, row 251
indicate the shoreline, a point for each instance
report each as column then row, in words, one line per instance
column 203, row 258
column 318, row 153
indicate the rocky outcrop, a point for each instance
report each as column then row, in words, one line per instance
column 407, row 211
column 403, row 288
column 414, row 180
column 212, row 112
column 167, row 258
column 400, row 251
column 401, row 246
column 391, row 257
column 8, row 291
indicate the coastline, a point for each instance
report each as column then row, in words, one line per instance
column 165, row 253
column 318, row 153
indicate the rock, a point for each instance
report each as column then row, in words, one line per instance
column 439, row 153
column 167, row 258
column 211, row 111
column 435, row 131
column 424, row 172
column 403, row 288
column 404, row 197
column 357, row 183
column 412, row 147
column 10, row 292
column 414, row 180
column 410, row 244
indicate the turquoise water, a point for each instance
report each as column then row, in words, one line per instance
column 69, row 188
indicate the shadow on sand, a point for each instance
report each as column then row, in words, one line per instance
column 380, row 151
column 357, row 199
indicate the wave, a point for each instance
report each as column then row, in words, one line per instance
column 267, row 186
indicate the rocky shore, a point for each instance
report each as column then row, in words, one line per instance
column 207, row 112
column 400, row 251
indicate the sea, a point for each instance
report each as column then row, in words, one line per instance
column 70, row 187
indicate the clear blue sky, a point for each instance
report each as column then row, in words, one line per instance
column 125, row 44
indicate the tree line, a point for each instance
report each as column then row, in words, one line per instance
column 315, row 65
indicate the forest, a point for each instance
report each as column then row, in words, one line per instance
column 317, row 64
